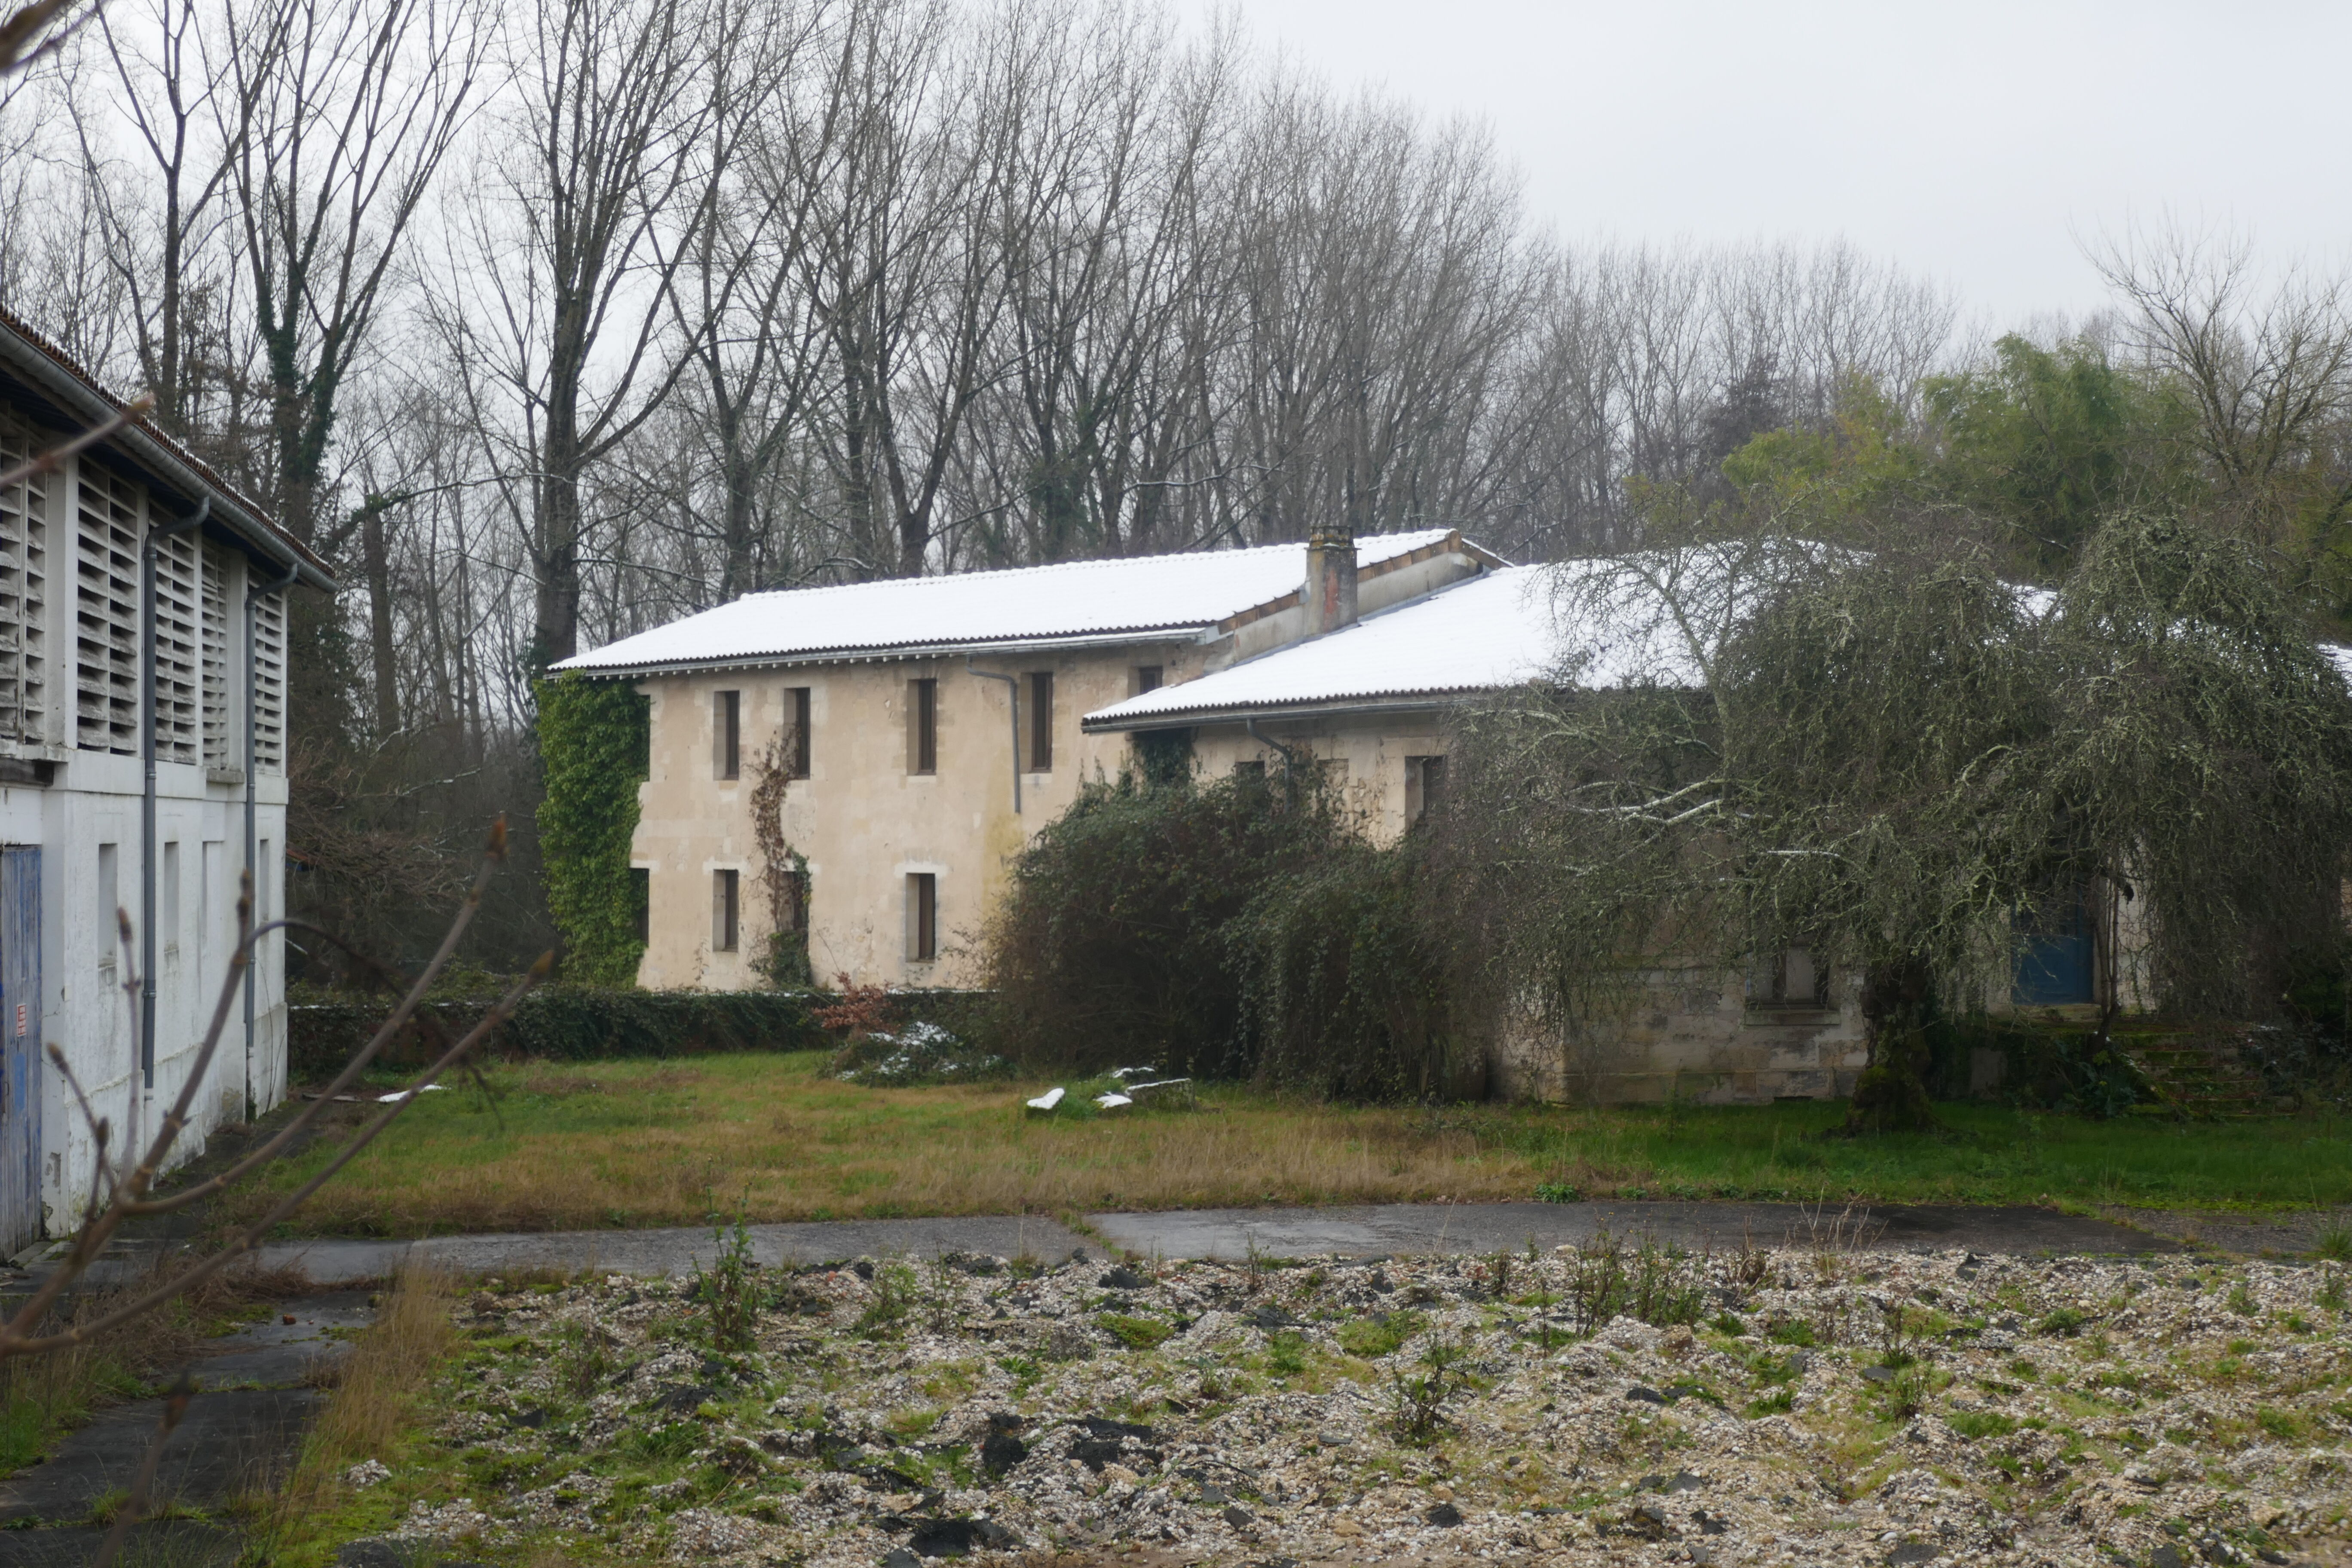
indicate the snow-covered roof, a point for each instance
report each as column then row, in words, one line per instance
column 1482, row 634
column 1500, row 629
column 1139, row 597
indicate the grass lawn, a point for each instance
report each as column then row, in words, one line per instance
column 627, row 1143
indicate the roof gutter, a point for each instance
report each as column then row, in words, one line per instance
column 82, row 402
column 1178, row 718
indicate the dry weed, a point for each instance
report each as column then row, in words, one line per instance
column 375, row 1399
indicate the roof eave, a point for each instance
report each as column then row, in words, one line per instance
column 1305, row 708
column 883, row 653
column 80, row 400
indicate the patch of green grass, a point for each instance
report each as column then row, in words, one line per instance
column 1136, row 1333
column 623, row 1143
column 1979, row 1424
column 1372, row 1338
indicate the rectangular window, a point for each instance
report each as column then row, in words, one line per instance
column 922, row 917
column 1425, row 786
column 1146, row 677
column 1798, row 979
column 726, row 909
column 167, row 901
column 796, row 712
column 641, row 894
column 1252, row 771
column 922, row 726
column 727, row 734
column 795, row 901
column 110, row 902
column 1041, row 722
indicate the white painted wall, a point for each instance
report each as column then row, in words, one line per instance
column 93, row 801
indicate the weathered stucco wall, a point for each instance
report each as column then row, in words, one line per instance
column 862, row 820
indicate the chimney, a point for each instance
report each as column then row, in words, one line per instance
column 1331, row 593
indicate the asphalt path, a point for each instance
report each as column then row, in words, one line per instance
column 1394, row 1230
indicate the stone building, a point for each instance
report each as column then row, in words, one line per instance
column 931, row 725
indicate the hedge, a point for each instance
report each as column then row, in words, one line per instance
column 586, row 1023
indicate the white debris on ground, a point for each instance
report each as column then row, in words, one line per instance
column 366, row 1473
column 1785, row 1408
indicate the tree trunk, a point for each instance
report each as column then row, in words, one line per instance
column 1891, row 1096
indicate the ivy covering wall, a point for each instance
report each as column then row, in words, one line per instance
column 594, row 737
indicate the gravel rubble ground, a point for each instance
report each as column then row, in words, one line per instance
column 1616, row 1399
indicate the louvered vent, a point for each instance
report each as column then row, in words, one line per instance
column 269, row 683
column 106, row 613
column 176, row 648
column 24, row 595
column 215, row 650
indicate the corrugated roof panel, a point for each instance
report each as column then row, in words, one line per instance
column 1483, row 634
column 1080, row 598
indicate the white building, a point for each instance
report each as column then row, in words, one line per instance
column 76, row 805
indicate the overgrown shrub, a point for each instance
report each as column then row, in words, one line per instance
column 1235, row 929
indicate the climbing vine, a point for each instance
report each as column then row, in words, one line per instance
column 783, row 870
column 593, row 738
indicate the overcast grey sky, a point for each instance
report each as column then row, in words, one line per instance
column 1972, row 141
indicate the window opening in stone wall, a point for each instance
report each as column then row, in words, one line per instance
column 1041, row 722
column 726, row 909
column 727, row 734
column 23, row 592
column 216, row 732
column 923, row 916
column 1797, row 979
column 922, row 726
column 106, row 612
column 269, row 683
column 796, row 714
column 1425, row 787
column 1146, row 677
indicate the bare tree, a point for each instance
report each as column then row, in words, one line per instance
column 2265, row 375
column 338, row 117
column 574, row 235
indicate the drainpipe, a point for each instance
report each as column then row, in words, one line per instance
column 1290, row 762
column 254, row 592
column 147, row 553
column 1013, row 688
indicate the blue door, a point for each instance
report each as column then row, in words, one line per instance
column 2057, row 962
column 20, row 1047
